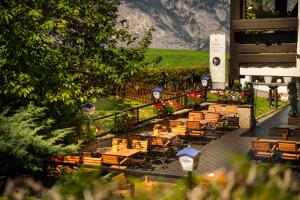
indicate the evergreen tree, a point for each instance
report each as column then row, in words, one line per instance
column 27, row 140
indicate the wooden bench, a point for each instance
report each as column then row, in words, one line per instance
column 92, row 161
column 263, row 149
column 293, row 120
column 72, row 159
column 113, row 161
column 275, row 131
column 288, row 150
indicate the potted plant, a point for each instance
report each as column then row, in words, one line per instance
column 123, row 122
column 292, row 91
column 165, row 108
column 194, row 100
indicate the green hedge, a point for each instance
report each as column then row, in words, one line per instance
column 176, row 78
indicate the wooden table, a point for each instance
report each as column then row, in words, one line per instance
column 164, row 135
column 292, row 127
column 277, row 139
column 203, row 121
column 122, row 152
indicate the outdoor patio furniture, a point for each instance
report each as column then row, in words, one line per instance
column 119, row 143
column 118, row 158
column 140, row 159
column 92, row 161
column 175, row 123
column 214, row 118
column 195, row 129
column 288, row 150
column 71, row 159
column 263, row 149
column 275, row 131
column 196, row 115
column 159, row 149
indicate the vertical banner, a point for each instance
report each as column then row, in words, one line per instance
column 217, row 60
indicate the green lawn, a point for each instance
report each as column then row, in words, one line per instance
column 179, row 57
column 262, row 106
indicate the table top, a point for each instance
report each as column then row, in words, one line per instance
column 203, row 121
column 165, row 135
column 288, row 126
column 278, row 138
column 122, row 152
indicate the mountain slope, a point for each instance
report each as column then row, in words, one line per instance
column 184, row 24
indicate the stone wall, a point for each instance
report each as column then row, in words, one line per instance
column 244, row 113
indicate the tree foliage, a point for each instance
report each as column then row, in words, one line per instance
column 63, row 52
column 26, row 141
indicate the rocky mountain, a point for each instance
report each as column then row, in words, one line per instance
column 179, row 24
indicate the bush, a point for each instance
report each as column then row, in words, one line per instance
column 174, row 79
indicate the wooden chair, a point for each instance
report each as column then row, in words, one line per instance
column 275, row 131
column 288, row 150
column 180, row 130
column 72, row 159
column 123, row 186
column 114, row 161
column 160, row 149
column 263, row 149
column 214, row 118
column 119, row 143
column 196, row 115
column 175, row 123
column 141, row 158
column 195, row 129
column 92, row 161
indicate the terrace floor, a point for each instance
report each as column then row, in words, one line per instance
column 216, row 154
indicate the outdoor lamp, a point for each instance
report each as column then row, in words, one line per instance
column 88, row 108
column 204, row 81
column 189, row 158
column 156, row 93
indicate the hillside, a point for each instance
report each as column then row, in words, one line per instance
column 179, row 24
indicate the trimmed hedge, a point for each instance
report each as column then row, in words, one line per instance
column 174, row 79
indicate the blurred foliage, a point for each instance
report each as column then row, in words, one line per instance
column 245, row 180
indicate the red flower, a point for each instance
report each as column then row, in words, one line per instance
column 59, row 156
column 167, row 103
column 176, row 105
column 158, row 106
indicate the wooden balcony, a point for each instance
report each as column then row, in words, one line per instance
column 265, row 24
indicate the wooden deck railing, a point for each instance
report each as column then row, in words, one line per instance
column 145, row 113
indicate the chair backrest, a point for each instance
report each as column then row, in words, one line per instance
column 287, row 146
column 175, row 123
column 91, row 161
column 211, row 108
column 275, row 131
column 157, row 141
column 261, row 145
column 194, row 125
column 72, row 159
column 110, row 159
column 180, row 130
column 120, row 179
column 141, row 145
column 119, row 142
column 196, row 115
column 212, row 116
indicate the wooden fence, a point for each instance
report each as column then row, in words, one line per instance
column 143, row 92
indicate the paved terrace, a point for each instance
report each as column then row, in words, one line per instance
column 216, row 153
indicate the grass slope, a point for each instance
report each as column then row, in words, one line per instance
column 179, row 57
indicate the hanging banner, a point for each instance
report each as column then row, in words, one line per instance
column 217, row 60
